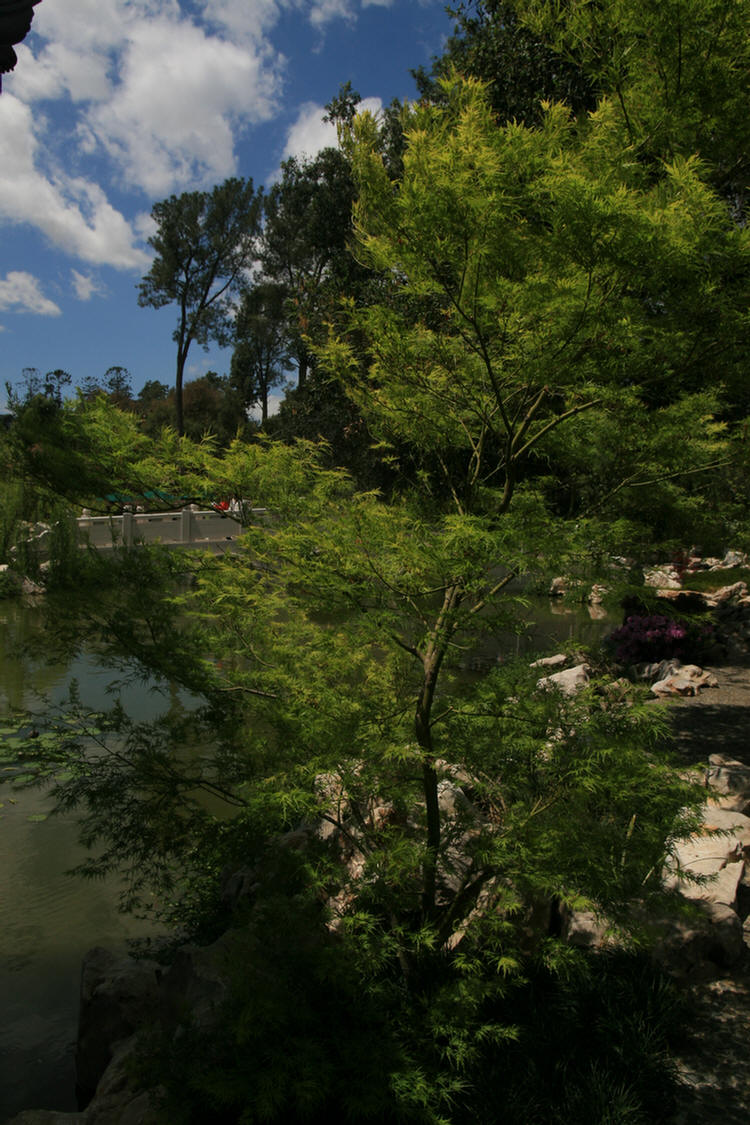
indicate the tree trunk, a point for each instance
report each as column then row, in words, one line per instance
column 303, row 363
column 432, row 661
column 178, row 413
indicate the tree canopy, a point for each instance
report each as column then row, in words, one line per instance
column 204, row 244
column 304, row 251
column 672, row 75
column 534, row 280
column 261, row 354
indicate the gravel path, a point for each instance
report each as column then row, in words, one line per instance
column 714, row 1066
column 718, row 719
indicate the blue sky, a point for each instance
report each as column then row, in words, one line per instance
column 115, row 104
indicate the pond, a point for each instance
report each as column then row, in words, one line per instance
column 51, row 919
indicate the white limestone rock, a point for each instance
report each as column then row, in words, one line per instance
column 700, row 946
column 688, row 679
column 32, row 588
column 118, row 994
column 452, row 800
column 734, row 558
column 570, row 681
column 655, row 670
column 118, row 1099
column 730, row 593
column 555, row 661
column 729, row 781
column 662, row 577
column 719, row 860
column 585, row 930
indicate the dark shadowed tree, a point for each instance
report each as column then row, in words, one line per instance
column 33, row 384
column 116, row 385
column 531, row 270
column 261, row 354
column 343, row 108
column 152, row 391
column 210, row 405
column 305, row 239
column 204, row 244
column 29, row 385
column 675, row 73
column 213, row 406
column 520, row 65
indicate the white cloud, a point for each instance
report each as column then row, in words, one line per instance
column 85, row 285
column 246, row 19
column 152, row 94
column 200, row 365
column 370, row 105
column 61, row 68
column 94, row 24
column 255, row 18
column 310, row 133
column 171, row 120
column 22, row 292
column 161, row 88
column 72, row 212
column 79, row 43
column 144, row 225
column 323, row 11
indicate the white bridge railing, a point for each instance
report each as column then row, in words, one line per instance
column 183, row 528
column 188, row 527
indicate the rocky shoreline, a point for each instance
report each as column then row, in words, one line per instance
column 714, row 1066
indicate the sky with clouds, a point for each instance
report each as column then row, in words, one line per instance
column 116, row 104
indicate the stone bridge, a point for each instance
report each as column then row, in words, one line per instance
column 187, row 527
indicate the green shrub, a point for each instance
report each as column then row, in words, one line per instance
column 306, row 1038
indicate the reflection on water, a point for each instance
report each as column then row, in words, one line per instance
column 49, row 919
column 550, row 623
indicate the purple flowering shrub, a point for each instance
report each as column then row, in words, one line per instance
column 655, row 637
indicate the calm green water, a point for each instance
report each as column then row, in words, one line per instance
column 51, row 919
column 550, row 624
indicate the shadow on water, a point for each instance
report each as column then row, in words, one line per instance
column 49, row 918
